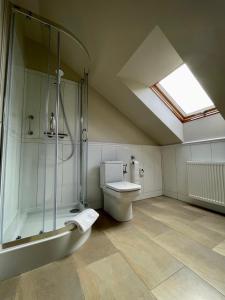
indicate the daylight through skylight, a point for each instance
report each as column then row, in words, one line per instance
column 185, row 91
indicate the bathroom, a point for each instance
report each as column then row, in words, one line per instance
column 104, row 178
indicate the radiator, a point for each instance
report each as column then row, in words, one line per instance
column 206, row 181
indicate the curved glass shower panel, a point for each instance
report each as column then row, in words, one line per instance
column 24, row 144
column 68, row 203
column 43, row 172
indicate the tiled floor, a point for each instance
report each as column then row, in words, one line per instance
column 169, row 251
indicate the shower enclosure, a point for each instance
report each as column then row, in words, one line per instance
column 44, row 133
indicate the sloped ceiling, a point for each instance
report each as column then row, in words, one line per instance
column 113, row 30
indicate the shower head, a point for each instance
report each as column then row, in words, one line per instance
column 61, row 73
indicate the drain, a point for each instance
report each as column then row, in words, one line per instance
column 74, row 210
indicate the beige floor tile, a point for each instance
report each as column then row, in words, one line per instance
column 10, row 289
column 201, row 234
column 194, row 208
column 147, row 224
column 220, row 248
column 123, row 260
column 152, row 263
column 179, row 208
column 53, row 281
column 162, row 214
column 97, row 247
column 112, row 278
column 206, row 263
column 147, row 201
column 186, row 285
column 104, row 221
column 213, row 221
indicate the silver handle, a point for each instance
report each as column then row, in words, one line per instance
column 84, row 135
column 30, row 119
column 125, row 169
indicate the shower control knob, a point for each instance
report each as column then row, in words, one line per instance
column 30, row 118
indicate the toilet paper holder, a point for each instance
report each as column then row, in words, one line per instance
column 141, row 172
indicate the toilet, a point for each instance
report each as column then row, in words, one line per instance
column 118, row 194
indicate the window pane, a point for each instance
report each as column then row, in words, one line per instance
column 185, row 90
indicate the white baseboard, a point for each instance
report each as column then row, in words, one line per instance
column 151, row 194
column 170, row 194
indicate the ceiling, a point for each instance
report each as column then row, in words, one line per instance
column 113, row 30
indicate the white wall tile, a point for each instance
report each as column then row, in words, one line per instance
column 12, row 171
column 207, row 152
column 123, row 153
column 169, row 170
column 218, row 151
column 50, row 175
column 29, row 176
column 201, row 152
column 69, row 176
column 108, row 152
column 183, row 154
column 147, row 163
column 32, row 103
column 94, row 159
column 70, row 101
column 157, row 168
column 149, row 158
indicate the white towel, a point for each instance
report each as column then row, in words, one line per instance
column 84, row 220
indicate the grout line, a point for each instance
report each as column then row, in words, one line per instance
column 138, row 276
column 182, row 264
column 185, row 265
column 181, row 268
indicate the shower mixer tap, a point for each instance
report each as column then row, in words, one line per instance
column 52, row 128
column 52, row 124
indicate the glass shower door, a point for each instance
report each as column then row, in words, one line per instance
column 23, row 185
column 44, row 162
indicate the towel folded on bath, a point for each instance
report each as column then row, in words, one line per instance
column 84, row 220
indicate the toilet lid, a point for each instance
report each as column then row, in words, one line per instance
column 123, row 186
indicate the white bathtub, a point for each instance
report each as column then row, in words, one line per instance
column 19, row 259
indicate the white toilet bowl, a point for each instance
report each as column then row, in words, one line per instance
column 118, row 197
column 118, row 194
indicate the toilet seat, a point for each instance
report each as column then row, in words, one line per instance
column 123, row 186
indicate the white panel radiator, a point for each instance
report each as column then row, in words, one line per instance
column 206, row 181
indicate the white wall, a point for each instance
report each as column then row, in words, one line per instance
column 148, row 156
column 174, row 164
column 206, row 128
column 108, row 124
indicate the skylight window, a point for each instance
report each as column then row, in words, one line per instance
column 184, row 95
